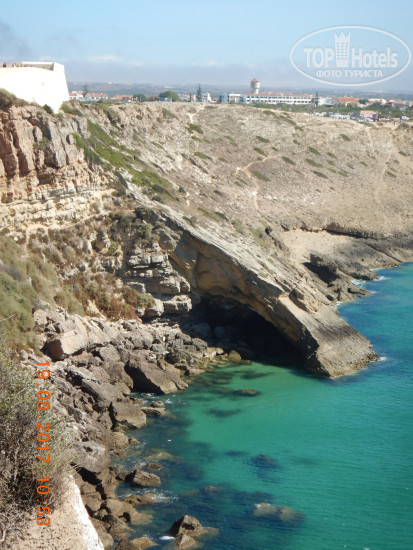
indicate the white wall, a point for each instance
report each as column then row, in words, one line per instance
column 36, row 84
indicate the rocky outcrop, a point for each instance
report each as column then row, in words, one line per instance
column 43, row 176
column 70, row 527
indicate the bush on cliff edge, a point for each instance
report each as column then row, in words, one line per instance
column 19, row 467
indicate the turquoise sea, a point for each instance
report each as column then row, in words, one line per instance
column 339, row 451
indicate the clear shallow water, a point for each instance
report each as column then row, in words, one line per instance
column 338, row 451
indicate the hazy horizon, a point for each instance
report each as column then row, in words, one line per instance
column 226, row 43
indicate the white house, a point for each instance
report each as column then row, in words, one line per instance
column 42, row 83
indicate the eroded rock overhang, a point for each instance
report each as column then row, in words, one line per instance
column 218, row 269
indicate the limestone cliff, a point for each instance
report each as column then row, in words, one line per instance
column 151, row 216
column 247, row 219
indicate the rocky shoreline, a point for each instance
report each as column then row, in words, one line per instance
column 95, row 365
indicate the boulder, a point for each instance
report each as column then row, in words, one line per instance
column 153, row 411
column 142, row 543
column 145, row 499
column 282, row 514
column 148, row 376
column 234, row 356
column 139, row 478
column 185, row 542
column 127, row 415
column 109, row 355
column 92, row 502
column 187, row 525
column 246, row 392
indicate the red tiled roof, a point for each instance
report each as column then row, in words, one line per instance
column 255, row 80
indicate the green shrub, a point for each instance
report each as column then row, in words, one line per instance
column 345, row 137
column 68, row 108
column 20, row 469
column 314, row 151
column 90, row 155
column 262, row 139
column 7, row 100
column 194, row 128
column 112, row 115
column 231, row 140
column 42, row 144
column 403, row 153
column 313, row 163
column 260, row 176
column 260, row 151
column 202, row 155
column 167, row 113
column 65, row 299
column 23, row 281
column 320, row 174
column 48, row 109
column 288, row 160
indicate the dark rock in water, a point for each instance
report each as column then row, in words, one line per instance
column 139, row 478
column 135, row 544
column 222, row 413
column 156, row 455
column 142, row 543
column 265, row 461
column 125, row 545
column 154, row 411
column 185, row 542
column 234, row 356
column 187, row 525
column 236, row 454
column 145, row 499
column 153, row 466
column 224, row 390
column 250, row 375
column 246, row 392
column 283, row 515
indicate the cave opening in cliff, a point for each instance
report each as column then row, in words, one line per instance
column 234, row 326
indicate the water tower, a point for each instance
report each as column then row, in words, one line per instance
column 255, row 86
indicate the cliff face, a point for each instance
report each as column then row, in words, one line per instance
column 43, row 176
column 273, row 212
column 146, row 212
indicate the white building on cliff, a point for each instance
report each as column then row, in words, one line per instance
column 42, row 83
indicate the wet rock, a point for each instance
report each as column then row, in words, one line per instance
column 234, row 356
column 145, row 499
column 142, row 543
column 283, row 515
column 264, row 461
column 246, row 392
column 153, row 411
column 185, row 542
column 153, row 466
column 187, row 525
column 139, row 478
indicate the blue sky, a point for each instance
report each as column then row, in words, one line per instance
column 177, row 42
